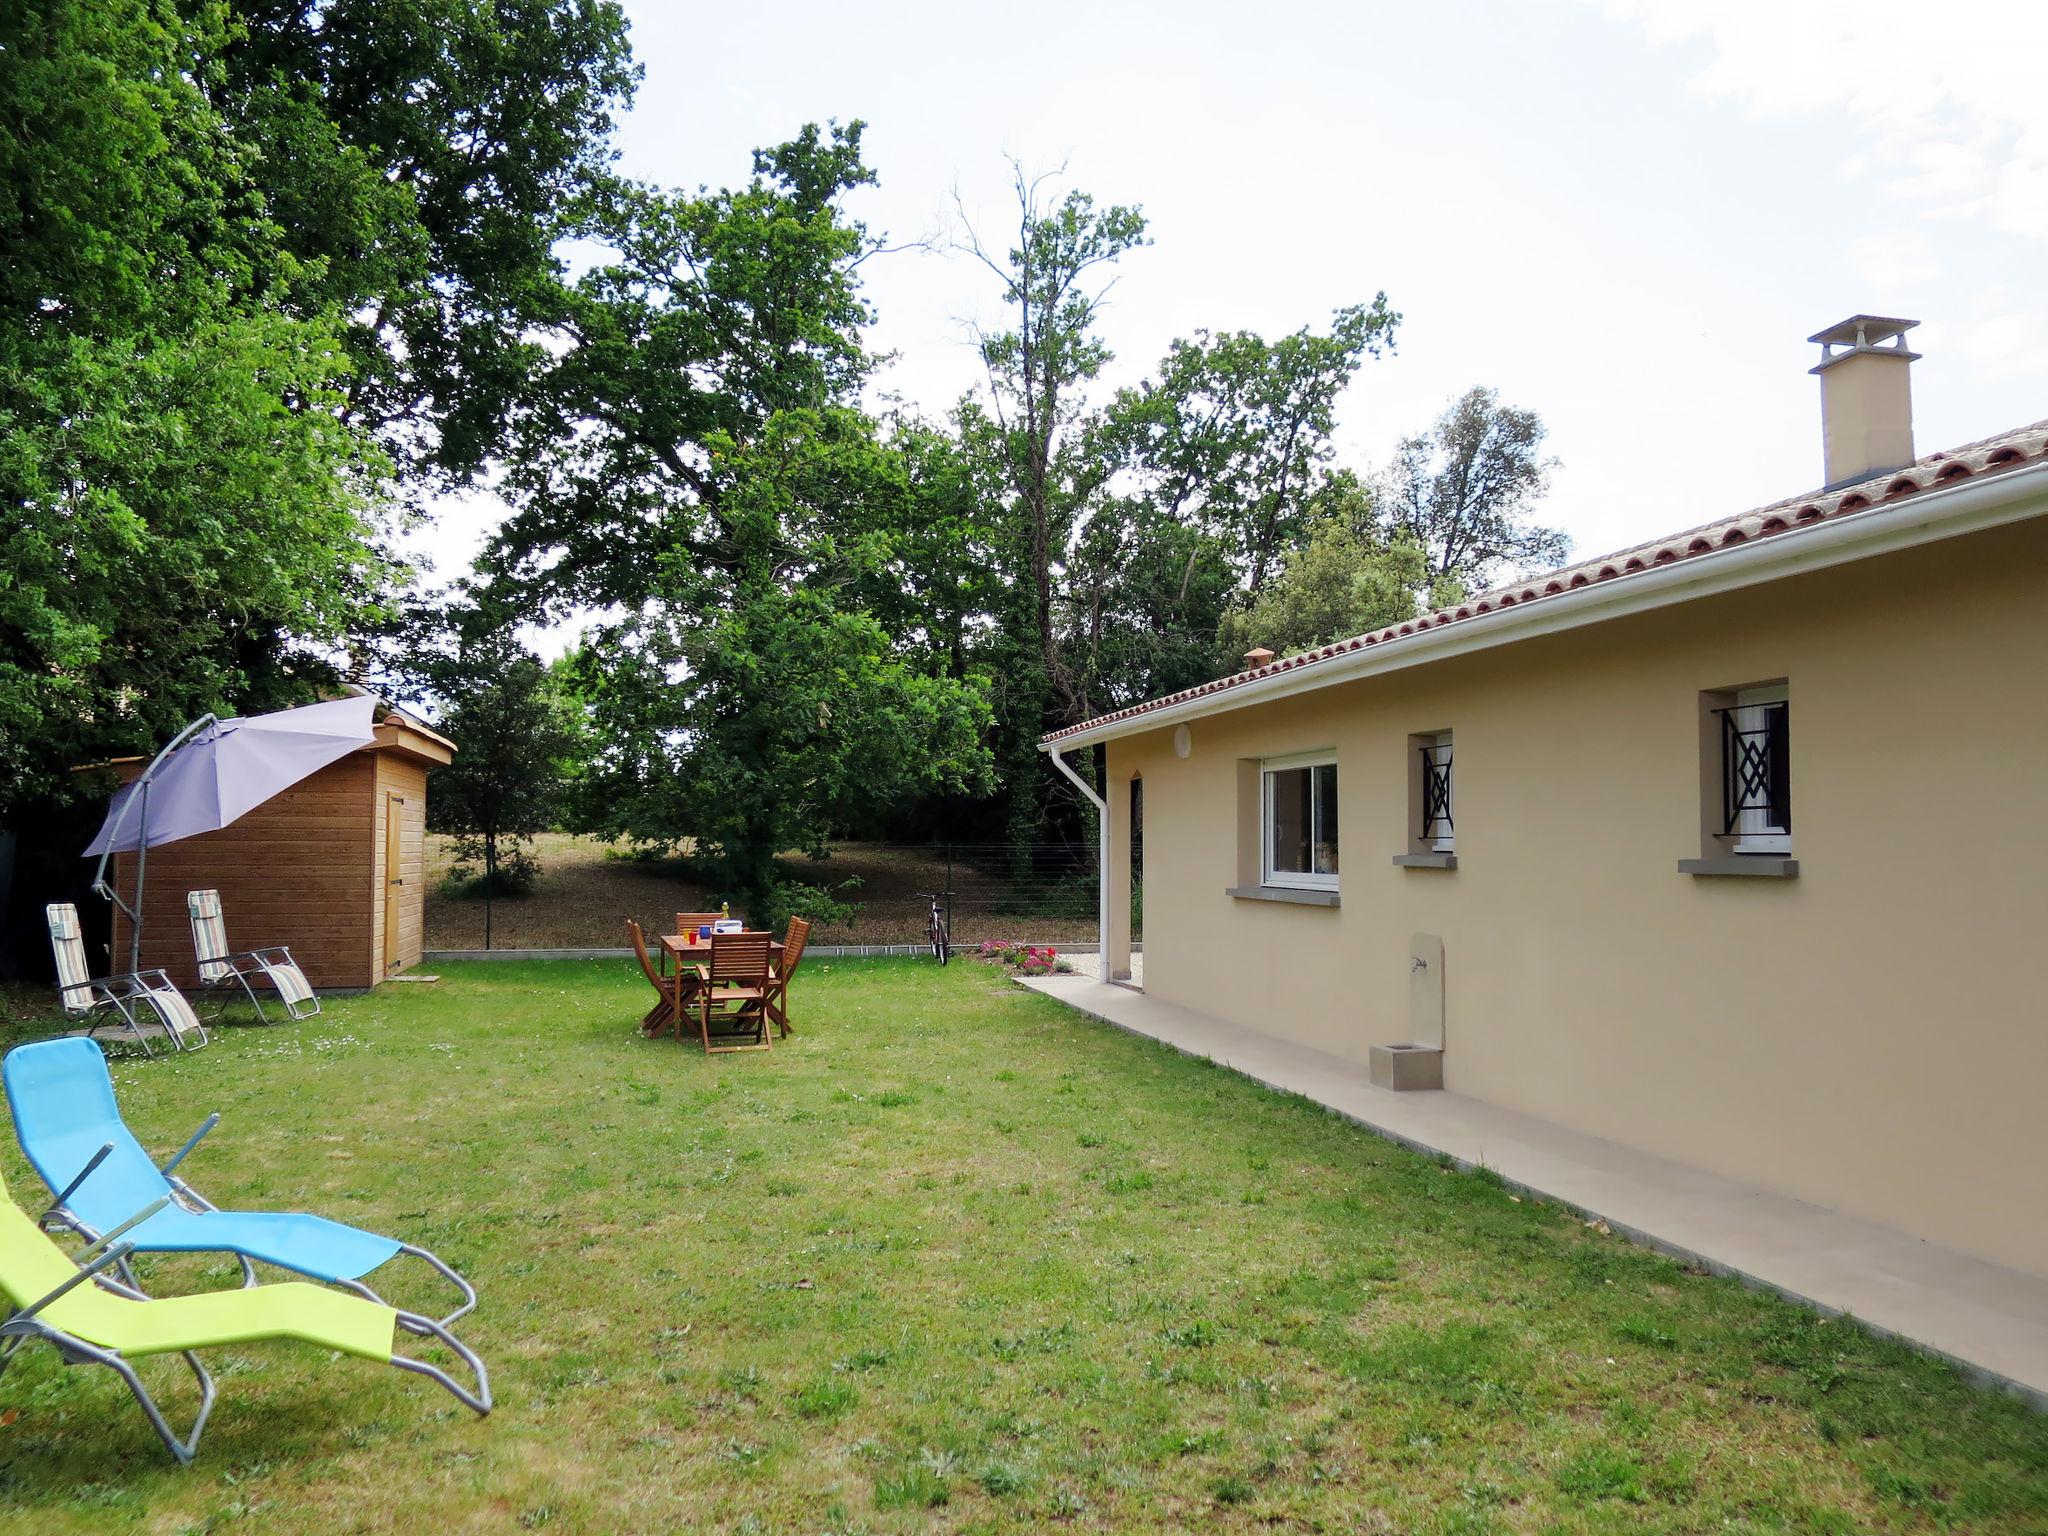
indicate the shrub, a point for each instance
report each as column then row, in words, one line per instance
column 822, row 904
column 517, row 870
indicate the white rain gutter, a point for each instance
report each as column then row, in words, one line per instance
column 1059, row 761
column 1969, row 506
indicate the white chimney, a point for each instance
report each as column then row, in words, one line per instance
column 1866, row 398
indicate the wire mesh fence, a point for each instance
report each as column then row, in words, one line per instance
column 1036, row 893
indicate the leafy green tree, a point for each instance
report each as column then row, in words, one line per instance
column 1039, row 366
column 424, row 159
column 763, row 732
column 267, row 261
column 1208, row 474
column 1035, row 461
column 715, row 312
column 520, row 744
column 191, row 518
column 939, row 581
column 692, row 462
column 1341, row 581
column 1233, row 435
column 1143, row 594
column 1465, row 491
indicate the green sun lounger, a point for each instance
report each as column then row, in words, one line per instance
column 92, row 1318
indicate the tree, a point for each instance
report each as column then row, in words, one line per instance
column 798, row 718
column 1031, row 460
column 191, row 520
column 518, row 742
column 1464, row 489
column 1037, row 370
column 424, row 158
column 1139, row 608
column 714, row 313
column 1208, row 474
column 694, row 463
column 1341, row 581
column 1234, row 434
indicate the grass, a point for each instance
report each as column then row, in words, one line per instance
column 957, row 1259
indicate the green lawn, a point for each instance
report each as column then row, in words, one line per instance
column 956, row 1258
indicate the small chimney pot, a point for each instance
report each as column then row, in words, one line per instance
column 1866, row 398
column 1256, row 657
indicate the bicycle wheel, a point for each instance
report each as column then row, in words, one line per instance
column 939, row 936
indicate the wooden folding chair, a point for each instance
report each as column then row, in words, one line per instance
column 663, row 1013
column 690, row 922
column 777, row 1000
column 734, row 988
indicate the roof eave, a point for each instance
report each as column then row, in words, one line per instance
column 1948, row 512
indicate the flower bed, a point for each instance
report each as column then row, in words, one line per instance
column 1024, row 959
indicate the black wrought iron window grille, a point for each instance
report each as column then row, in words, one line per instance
column 1436, row 792
column 1756, row 769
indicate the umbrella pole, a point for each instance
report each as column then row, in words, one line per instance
column 100, row 883
column 141, row 863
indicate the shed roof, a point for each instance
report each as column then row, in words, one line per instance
column 1785, row 522
column 398, row 732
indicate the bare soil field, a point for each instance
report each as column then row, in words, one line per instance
column 587, row 889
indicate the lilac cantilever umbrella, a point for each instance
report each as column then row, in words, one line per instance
column 213, row 773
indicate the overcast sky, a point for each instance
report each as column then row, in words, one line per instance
column 1626, row 215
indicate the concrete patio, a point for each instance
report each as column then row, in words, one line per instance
column 1991, row 1321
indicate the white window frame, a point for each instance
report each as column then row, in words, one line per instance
column 1307, row 880
column 1753, row 834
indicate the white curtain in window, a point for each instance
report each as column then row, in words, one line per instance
column 1757, row 830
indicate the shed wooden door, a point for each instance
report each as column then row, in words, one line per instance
column 394, row 876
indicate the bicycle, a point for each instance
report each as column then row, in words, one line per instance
column 941, row 938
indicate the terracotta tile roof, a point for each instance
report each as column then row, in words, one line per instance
column 2008, row 450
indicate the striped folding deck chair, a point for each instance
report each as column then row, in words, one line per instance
column 219, row 969
column 125, row 1004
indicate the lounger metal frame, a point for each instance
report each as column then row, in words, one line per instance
column 223, row 971
column 62, row 1216
column 85, row 996
column 24, row 1325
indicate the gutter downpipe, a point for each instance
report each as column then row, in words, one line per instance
column 1060, row 762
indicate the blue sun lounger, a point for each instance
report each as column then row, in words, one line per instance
column 71, row 1131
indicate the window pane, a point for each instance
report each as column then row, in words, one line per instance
column 1288, row 791
column 1326, row 819
column 1756, row 748
column 1758, row 767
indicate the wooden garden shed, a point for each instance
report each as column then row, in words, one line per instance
column 334, row 867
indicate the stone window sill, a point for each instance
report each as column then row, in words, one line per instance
column 1282, row 893
column 1755, row 866
column 1425, row 861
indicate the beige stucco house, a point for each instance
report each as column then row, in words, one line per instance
column 1732, row 847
